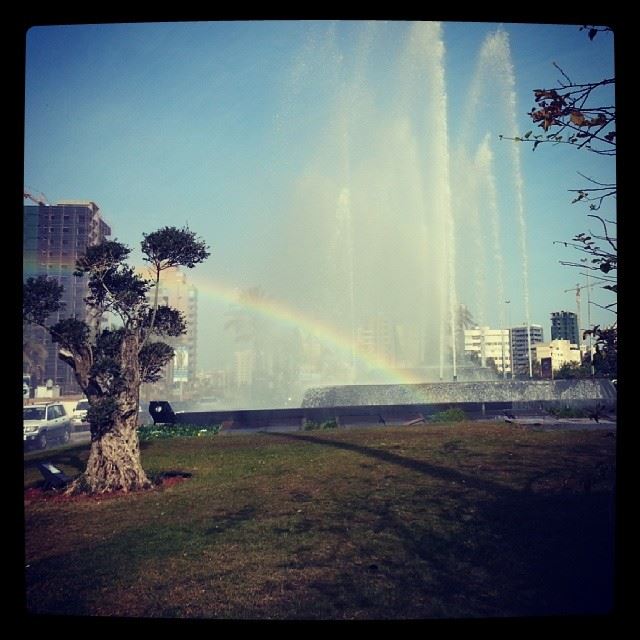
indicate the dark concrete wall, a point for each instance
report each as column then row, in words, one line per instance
column 296, row 419
column 362, row 404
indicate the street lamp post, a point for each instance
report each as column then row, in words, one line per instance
column 589, row 342
column 504, row 370
column 593, row 371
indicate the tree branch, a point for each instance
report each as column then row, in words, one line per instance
column 606, row 232
column 601, row 184
column 557, row 66
column 607, row 307
column 535, row 143
column 582, row 266
column 598, row 277
column 156, row 294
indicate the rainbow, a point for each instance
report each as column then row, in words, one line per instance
column 289, row 316
column 286, row 315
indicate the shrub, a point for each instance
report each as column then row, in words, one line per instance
column 162, row 431
column 568, row 412
column 310, row 425
column 450, row 415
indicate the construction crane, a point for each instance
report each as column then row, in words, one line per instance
column 36, row 196
column 578, row 288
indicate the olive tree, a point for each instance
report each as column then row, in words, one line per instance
column 110, row 364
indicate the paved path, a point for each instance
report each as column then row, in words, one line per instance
column 546, row 422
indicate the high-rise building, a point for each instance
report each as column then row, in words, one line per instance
column 55, row 236
column 564, row 326
column 488, row 344
column 522, row 346
column 177, row 293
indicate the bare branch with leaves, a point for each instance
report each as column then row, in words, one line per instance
column 576, row 114
column 583, row 115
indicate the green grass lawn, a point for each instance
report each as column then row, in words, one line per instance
column 455, row 521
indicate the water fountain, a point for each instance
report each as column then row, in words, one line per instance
column 378, row 200
column 393, row 219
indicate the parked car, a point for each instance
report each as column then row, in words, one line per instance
column 79, row 416
column 45, row 423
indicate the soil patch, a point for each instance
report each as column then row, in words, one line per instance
column 37, row 494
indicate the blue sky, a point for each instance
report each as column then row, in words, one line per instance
column 224, row 125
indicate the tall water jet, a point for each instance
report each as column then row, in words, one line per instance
column 491, row 93
column 474, row 201
column 426, row 37
column 376, row 225
column 484, row 168
column 496, row 53
column 349, row 98
column 486, row 177
column 345, row 242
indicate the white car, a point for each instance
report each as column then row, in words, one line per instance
column 79, row 416
column 44, row 423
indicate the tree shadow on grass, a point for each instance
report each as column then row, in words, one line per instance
column 441, row 473
column 545, row 550
column 526, row 556
column 225, row 520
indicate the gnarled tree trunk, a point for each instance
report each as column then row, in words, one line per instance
column 114, row 462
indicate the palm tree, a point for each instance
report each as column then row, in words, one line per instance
column 464, row 320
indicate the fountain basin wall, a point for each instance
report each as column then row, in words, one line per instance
column 405, row 404
column 550, row 392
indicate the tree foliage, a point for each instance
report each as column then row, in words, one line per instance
column 573, row 118
column 605, row 355
column 171, row 247
column 153, row 356
column 40, row 299
column 573, row 371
